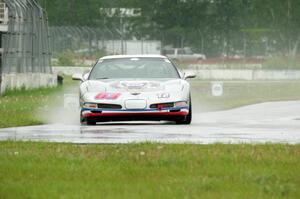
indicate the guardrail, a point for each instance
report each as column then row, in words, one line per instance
column 247, row 74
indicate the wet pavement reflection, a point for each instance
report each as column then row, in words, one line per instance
column 273, row 122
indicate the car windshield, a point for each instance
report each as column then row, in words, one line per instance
column 143, row 68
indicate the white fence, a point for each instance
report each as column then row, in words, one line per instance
column 69, row 70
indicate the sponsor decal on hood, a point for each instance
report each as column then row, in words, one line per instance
column 133, row 86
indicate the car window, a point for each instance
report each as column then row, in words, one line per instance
column 134, row 68
column 181, row 51
column 188, row 51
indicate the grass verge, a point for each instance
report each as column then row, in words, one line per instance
column 19, row 107
column 241, row 93
column 48, row 170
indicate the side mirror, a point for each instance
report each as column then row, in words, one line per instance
column 86, row 75
column 189, row 75
column 80, row 77
column 77, row 76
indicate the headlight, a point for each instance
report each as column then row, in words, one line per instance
column 180, row 104
column 90, row 105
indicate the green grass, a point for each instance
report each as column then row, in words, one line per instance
column 241, row 93
column 19, row 107
column 45, row 170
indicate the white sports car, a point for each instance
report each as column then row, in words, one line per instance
column 134, row 87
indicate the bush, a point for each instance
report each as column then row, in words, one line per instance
column 282, row 63
column 99, row 53
column 66, row 59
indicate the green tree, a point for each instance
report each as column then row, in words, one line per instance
column 210, row 26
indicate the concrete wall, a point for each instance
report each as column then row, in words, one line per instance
column 247, row 74
column 224, row 74
column 27, row 80
column 70, row 70
column 276, row 74
column 217, row 74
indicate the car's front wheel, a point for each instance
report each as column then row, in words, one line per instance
column 84, row 121
column 188, row 118
column 90, row 122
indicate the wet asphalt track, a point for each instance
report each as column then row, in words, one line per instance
column 272, row 122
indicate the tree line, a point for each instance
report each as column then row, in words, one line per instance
column 213, row 27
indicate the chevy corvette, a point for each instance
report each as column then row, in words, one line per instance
column 134, row 87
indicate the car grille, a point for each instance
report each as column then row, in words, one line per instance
column 109, row 106
column 163, row 105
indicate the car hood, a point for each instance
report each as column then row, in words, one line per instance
column 132, row 86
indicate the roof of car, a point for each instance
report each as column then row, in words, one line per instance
column 132, row 56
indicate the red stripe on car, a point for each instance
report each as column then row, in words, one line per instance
column 181, row 113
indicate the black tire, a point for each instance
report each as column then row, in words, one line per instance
column 92, row 123
column 85, row 121
column 188, row 118
column 81, row 118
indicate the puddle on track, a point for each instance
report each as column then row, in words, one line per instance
column 248, row 124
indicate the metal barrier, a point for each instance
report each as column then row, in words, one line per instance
column 89, row 41
column 73, row 38
column 26, row 44
column 2, row 12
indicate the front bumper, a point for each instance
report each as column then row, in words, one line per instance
column 105, row 115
